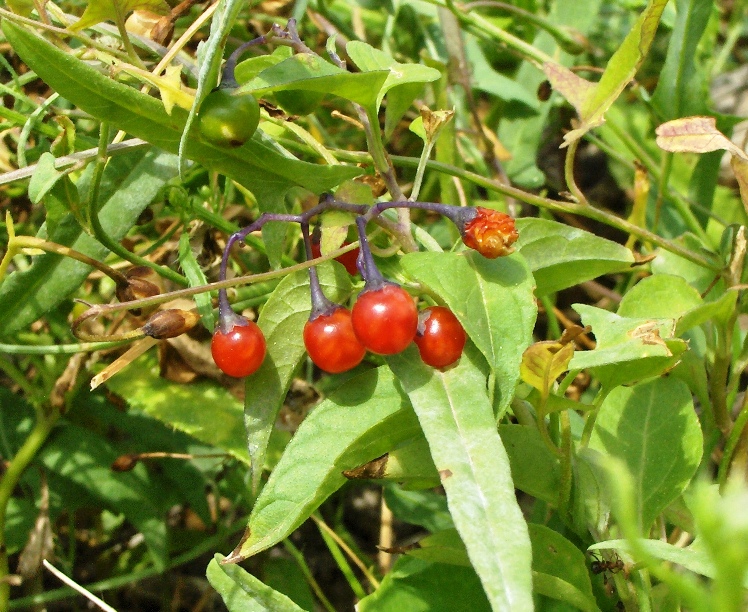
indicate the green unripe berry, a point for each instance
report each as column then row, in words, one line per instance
column 227, row 119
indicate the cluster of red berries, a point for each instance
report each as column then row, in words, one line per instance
column 384, row 319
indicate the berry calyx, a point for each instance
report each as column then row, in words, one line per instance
column 240, row 350
column 331, row 343
column 440, row 337
column 385, row 319
column 227, row 119
column 490, row 232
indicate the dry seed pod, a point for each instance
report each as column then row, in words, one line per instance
column 124, row 463
column 170, row 323
column 142, row 282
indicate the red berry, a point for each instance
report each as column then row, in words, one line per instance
column 491, row 233
column 440, row 338
column 331, row 343
column 347, row 259
column 385, row 319
column 239, row 352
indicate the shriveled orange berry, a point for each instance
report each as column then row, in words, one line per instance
column 491, row 233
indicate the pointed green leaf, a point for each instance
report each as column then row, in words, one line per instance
column 308, row 72
column 653, row 428
column 242, row 592
column 561, row 256
column 535, row 469
column 363, row 419
column 282, row 322
column 683, row 86
column 254, row 164
column 367, row 58
column 442, row 547
column 196, row 278
column 494, row 301
column 619, row 71
column 459, row 424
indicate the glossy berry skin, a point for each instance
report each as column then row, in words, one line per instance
column 228, row 120
column 331, row 343
column 491, row 233
column 385, row 319
column 440, row 338
column 347, row 259
column 241, row 351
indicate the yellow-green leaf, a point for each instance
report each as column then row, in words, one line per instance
column 116, row 11
column 544, row 362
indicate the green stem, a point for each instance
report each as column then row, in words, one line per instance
column 96, row 227
column 589, row 423
column 131, row 53
column 477, row 24
column 57, row 349
column 571, row 183
column 25, row 455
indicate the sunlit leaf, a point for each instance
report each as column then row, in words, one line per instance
column 695, row 135
column 544, row 362
column 493, row 299
column 458, row 422
column 282, row 322
column 116, row 11
column 653, row 428
column 363, row 419
column 242, row 592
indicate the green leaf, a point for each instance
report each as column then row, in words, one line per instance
column 523, row 130
column 561, row 256
column 201, row 409
column 458, row 421
column 653, row 428
column 84, row 458
column 534, row 468
column 367, row 58
column 560, row 569
column 282, row 322
column 256, row 165
column 134, row 179
column 116, row 10
column 196, row 278
column 44, row 178
column 593, row 100
column 425, row 508
column 413, row 584
column 628, row 349
column 683, row 85
column 363, row 419
column 660, row 296
column 494, row 301
column 307, row 72
column 242, row 592
column 673, row 297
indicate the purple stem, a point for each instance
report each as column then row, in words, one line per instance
column 228, row 80
column 320, row 304
column 366, row 265
column 365, row 262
